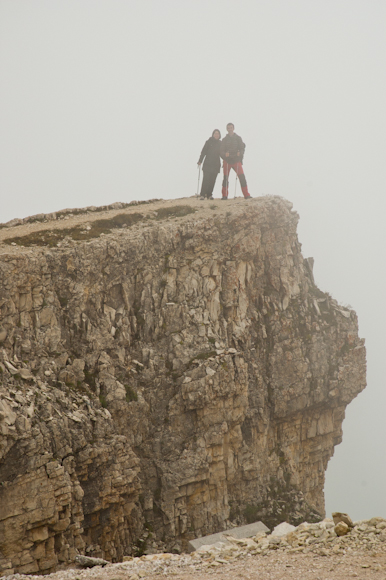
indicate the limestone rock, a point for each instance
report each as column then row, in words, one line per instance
column 240, row 533
column 11, row 368
column 26, row 374
column 164, row 381
column 282, row 529
column 342, row 517
column 87, row 562
column 341, row 529
column 3, row 334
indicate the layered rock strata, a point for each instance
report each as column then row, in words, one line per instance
column 164, row 380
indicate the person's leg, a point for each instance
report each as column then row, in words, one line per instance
column 205, row 184
column 238, row 167
column 208, row 183
column 225, row 182
column 211, row 183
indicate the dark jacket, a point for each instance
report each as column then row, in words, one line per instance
column 211, row 152
column 232, row 144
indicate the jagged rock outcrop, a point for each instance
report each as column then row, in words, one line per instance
column 164, row 379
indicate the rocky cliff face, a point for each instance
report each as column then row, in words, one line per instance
column 164, row 379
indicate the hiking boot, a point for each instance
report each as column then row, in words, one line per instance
column 248, row 197
column 224, row 198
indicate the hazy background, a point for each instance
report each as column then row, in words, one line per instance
column 104, row 101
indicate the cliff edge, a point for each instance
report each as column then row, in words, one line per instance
column 166, row 368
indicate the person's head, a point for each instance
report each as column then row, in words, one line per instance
column 216, row 134
column 230, row 128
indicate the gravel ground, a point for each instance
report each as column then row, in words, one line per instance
column 273, row 566
column 276, row 566
column 308, row 552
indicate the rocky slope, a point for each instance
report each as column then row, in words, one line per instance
column 165, row 370
column 309, row 551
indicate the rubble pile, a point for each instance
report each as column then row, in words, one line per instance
column 366, row 536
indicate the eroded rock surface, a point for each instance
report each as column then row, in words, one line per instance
column 164, row 380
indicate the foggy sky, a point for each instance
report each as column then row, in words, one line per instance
column 104, row 101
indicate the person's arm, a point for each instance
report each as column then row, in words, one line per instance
column 223, row 151
column 203, row 153
column 241, row 149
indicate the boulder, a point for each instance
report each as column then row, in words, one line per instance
column 341, row 529
column 342, row 517
column 282, row 530
column 87, row 562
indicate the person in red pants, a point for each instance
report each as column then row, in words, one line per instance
column 232, row 152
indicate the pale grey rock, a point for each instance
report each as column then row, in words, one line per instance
column 6, row 414
column 26, row 374
column 309, row 265
column 87, row 562
column 282, row 529
column 11, row 368
column 238, row 533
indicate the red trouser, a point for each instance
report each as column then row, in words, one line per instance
column 238, row 167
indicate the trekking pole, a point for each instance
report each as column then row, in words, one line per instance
column 237, row 176
column 198, row 182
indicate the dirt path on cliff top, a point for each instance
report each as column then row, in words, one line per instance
column 70, row 221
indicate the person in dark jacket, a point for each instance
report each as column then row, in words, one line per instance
column 212, row 164
column 232, row 152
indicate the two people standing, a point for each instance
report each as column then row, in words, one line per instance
column 231, row 150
